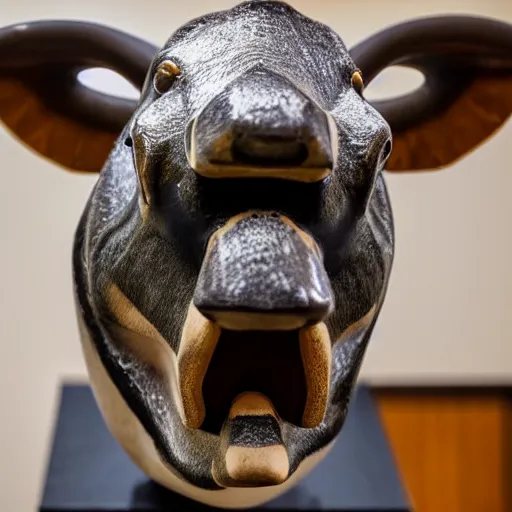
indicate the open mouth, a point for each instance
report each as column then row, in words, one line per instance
column 267, row 362
column 290, row 368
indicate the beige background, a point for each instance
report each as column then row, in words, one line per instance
column 447, row 314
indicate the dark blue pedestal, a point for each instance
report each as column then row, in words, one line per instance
column 89, row 472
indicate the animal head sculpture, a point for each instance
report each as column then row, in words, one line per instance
column 234, row 254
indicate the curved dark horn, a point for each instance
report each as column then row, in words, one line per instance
column 464, row 59
column 39, row 64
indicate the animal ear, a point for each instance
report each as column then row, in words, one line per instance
column 43, row 103
column 466, row 95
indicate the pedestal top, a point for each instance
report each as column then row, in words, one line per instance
column 89, row 472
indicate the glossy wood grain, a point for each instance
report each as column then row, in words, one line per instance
column 452, row 447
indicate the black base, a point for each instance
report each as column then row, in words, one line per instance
column 89, row 472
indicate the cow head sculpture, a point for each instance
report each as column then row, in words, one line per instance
column 235, row 252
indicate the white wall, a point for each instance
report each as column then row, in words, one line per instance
column 447, row 313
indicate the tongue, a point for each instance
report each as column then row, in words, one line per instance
column 251, row 451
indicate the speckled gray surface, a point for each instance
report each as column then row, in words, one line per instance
column 154, row 253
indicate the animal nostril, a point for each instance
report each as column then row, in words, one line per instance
column 128, row 142
column 269, row 151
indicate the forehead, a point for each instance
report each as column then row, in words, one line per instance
column 215, row 49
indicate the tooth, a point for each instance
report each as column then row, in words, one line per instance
column 198, row 341
column 315, row 350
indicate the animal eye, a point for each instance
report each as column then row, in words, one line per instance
column 165, row 76
column 357, row 81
